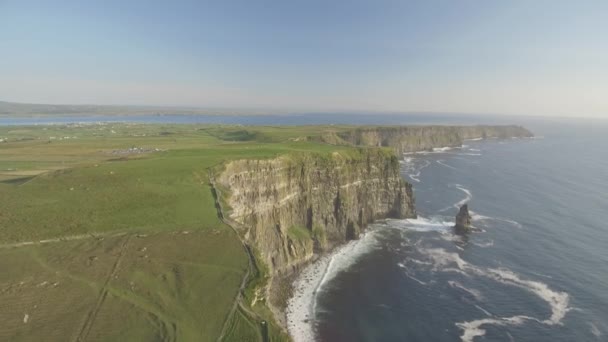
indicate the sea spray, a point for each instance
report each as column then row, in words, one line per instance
column 302, row 307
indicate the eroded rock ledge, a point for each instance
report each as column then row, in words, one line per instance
column 296, row 206
column 420, row 138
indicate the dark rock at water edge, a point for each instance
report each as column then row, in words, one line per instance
column 463, row 220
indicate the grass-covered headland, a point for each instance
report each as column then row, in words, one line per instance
column 111, row 232
column 116, row 232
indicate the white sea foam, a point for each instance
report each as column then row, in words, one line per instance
column 433, row 150
column 413, row 172
column 445, row 261
column 477, row 217
column 421, row 224
column 467, row 198
column 467, row 154
column 313, row 279
column 514, row 223
column 474, row 139
column 473, row 292
column 595, row 330
column 442, row 149
column 441, row 162
column 541, row 275
column 473, row 329
column 408, row 274
column 452, row 237
column 484, row 244
column 486, row 312
column 299, row 307
column 419, row 262
column 414, row 176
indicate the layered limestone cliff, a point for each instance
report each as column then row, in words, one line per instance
column 422, row 138
column 298, row 205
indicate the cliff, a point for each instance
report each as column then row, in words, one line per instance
column 421, row 138
column 301, row 204
column 297, row 205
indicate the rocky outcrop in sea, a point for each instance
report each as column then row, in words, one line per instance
column 463, row 220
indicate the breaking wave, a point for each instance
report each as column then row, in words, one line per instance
column 442, row 149
column 468, row 197
column 442, row 162
column 477, row 217
column 413, row 169
column 484, row 244
column 422, row 224
column 441, row 260
column 302, row 307
column 473, row 292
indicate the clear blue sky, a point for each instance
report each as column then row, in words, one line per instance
column 515, row 57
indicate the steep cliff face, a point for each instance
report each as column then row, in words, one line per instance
column 299, row 205
column 296, row 206
column 421, row 138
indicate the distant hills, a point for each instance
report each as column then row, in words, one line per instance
column 29, row 109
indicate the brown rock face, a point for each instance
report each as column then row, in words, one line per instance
column 298, row 206
column 463, row 220
column 419, row 138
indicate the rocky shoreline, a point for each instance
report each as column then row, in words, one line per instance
column 299, row 209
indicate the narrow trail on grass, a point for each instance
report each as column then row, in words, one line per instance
column 88, row 323
column 61, row 239
column 238, row 301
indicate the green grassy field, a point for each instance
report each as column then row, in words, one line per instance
column 110, row 232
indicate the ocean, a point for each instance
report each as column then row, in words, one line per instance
column 536, row 269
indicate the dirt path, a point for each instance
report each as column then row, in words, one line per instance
column 61, row 239
column 88, row 323
column 238, row 300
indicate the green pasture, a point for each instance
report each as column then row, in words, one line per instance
column 101, row 243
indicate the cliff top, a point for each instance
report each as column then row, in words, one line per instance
column 77, row 199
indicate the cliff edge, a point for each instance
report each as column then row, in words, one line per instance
column 404, row 139
column 294, row 207
column 297, row 205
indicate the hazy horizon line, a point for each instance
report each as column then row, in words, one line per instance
column 261, row 110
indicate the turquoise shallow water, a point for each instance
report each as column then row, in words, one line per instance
column 536, row 271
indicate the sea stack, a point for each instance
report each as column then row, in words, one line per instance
column 463, row 220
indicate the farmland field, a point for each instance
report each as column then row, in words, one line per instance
column 109, row 232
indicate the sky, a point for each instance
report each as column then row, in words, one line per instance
column 497, row 57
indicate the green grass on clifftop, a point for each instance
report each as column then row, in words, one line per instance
column 110, row 232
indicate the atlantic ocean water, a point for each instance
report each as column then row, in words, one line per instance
column 536, row 269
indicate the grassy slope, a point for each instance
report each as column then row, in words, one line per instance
column 163, row 285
